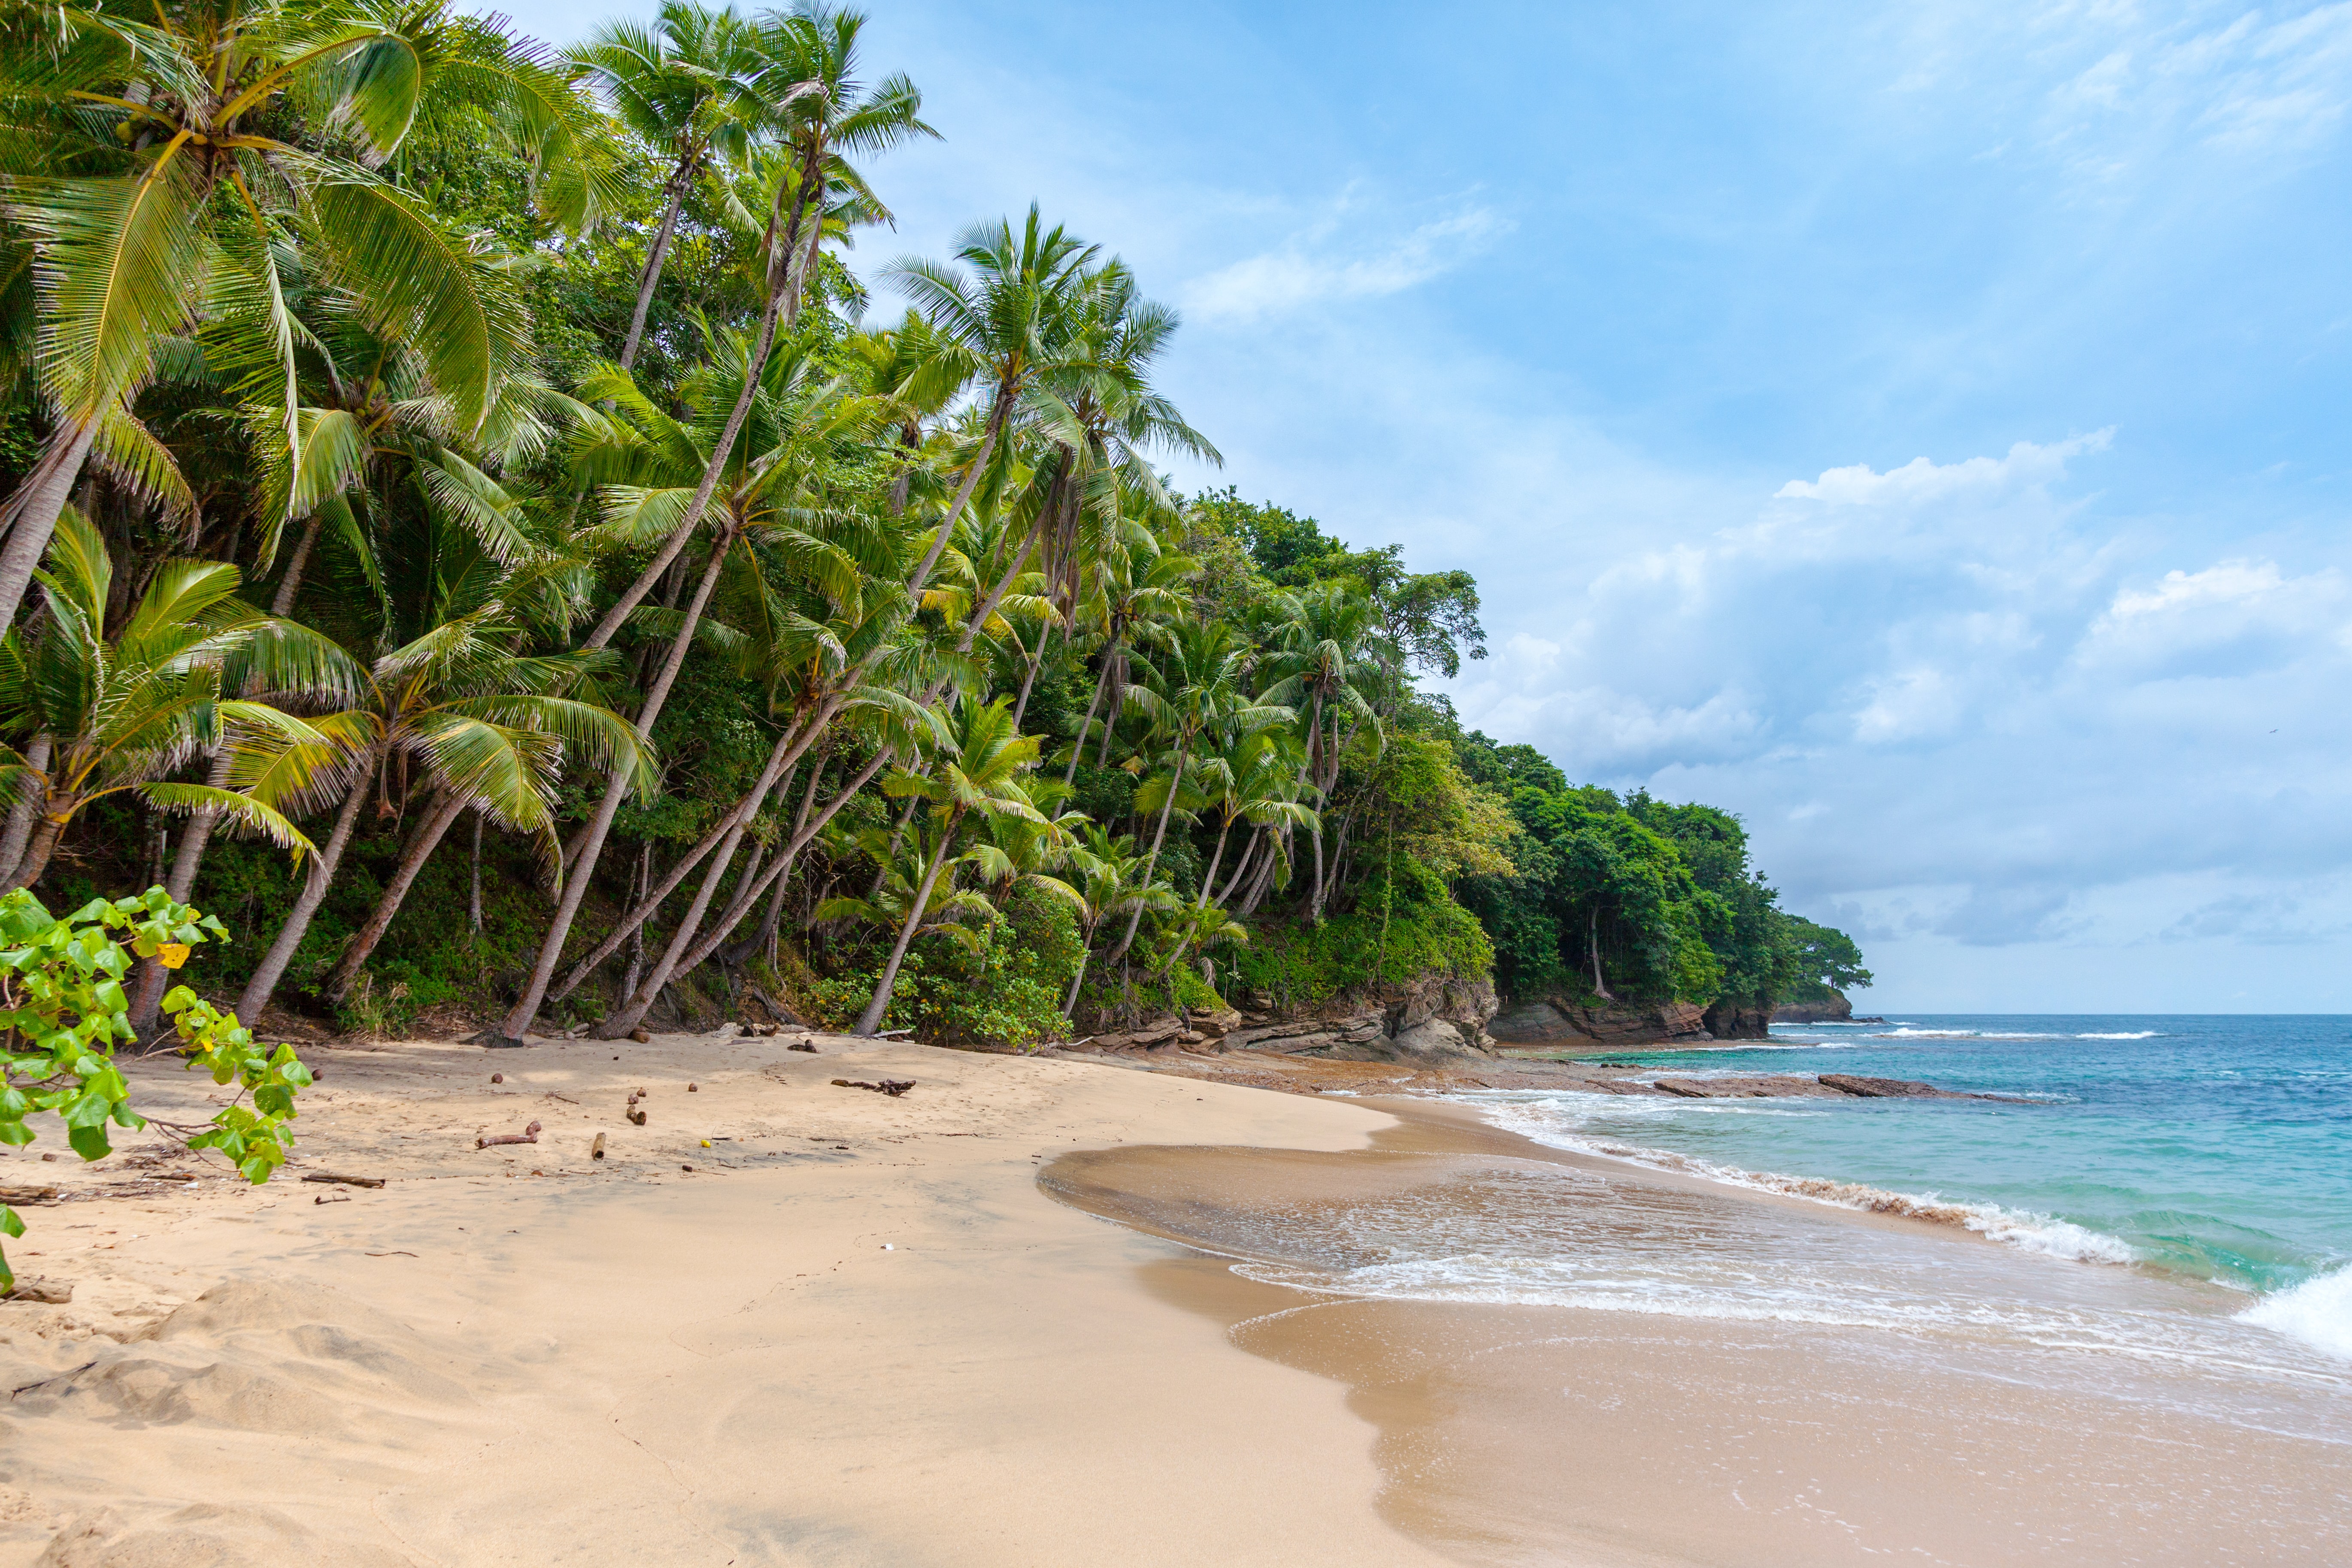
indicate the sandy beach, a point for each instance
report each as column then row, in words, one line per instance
column 784, row 1322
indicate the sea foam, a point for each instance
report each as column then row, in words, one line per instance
column 2318, row 1311
column 2045, row 1234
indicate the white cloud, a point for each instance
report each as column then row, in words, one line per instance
column 1923, row 480
column 1326, row 265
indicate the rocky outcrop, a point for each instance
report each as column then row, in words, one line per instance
column 1731, row 1019
column 1435, row 1019
column 1559, row 1019
column 1837, row 1010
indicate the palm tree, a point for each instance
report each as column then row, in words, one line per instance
column 1249, row 781
column 1201, row 927
column 1124, row 608
column 123, row 715
column 486, row 725
column 1110, row 883
column 692, row 84
column 946, row 910
column 981, row 773
column 178, row 188
column 1325, row 651
column 825, row 114
column 1008, row 326
column 1196, row 686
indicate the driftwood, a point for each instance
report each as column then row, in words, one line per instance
column 893, row 1087
column 528, row 1135
column 345, row 1180
column 809, row 1046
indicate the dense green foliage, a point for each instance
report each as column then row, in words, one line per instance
column 656, row 622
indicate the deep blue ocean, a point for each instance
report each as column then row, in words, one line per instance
column 2216, row 1146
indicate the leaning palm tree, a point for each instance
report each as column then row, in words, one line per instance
column 1325, row 656
column 826, row 116
column 1249, row 781
column 1127, row 606
column 487, row 727
column 980, row 774
column 189, row 152
column 691, row 84
column 123, row 714
column 1193, row 691
column 1111, row 883
column 1007, row 323
column 946, row 910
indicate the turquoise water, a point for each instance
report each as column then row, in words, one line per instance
column 2214, row 1146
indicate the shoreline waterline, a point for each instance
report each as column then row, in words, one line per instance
column 1571, row 1357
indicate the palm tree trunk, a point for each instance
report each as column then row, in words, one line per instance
column 1158, row 834
column 290, row 586
column 1030, row 680
column 1086, row 951
column 1209, row 877
column 44, row 844
column 870, row 1021
column 474, row 891
column 776, row 874
column 1101, row 679
column 1241, row 867
column 742, row 811
column 692, row 517
column 272, row 967
column 651, row 278
column 20, row 815
column 630, row 975
column 1004, row 586
column 551, row 950
column 955, row 509
column 31, row 515
column 634, row 1004
column 421, row 845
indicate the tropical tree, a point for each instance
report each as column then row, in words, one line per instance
column 485, row 727
column 1195, row 688
column 826, row 115
column 981, row 773
column 1008, row 327
column 177, row 162
column 1325, row 655
column 1111, row 883
column 122, row 714
column 695, row 84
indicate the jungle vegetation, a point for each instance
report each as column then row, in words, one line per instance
column 469, row 528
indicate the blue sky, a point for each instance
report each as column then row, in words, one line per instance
column 1925, row 434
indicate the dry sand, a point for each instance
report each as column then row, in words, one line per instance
column 860, row 1330
column 857, row 1332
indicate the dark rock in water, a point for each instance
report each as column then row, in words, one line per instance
column 1727, row 1019
column 1547, row 1019
column 1685, row 1088
column 1887, row 1088
column 1835, row 1010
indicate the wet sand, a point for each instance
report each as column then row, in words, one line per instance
column 1515, row 1432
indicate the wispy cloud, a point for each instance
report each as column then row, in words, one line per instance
column 1340, row 259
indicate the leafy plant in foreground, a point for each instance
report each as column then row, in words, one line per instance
column 63, row 1004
